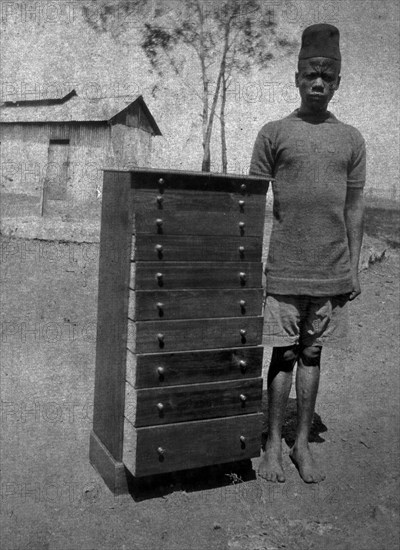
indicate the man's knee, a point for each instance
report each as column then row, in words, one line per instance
column 285, row 357
column 311, row 356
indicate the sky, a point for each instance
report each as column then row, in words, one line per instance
column 48, row 47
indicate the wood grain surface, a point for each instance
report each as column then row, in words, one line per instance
column 193, row 402
column 184, row 212
column 192, row 304
column 195, row 334
column 111, row 341
column 183, row 275
column 194, row 248
column 191, row 367
column 194, row 444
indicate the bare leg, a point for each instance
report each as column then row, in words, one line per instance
column 279, row 383
column 307, row 382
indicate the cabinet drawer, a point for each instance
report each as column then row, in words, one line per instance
column 192, row 304
column 192, row 367
column 182, row 275
column 173, row 447
column 148, row 407
column 193, row 334
column 186, row 212
column 200, row 182
column 189, row 248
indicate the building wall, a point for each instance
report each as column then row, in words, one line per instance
column 30, row 175
column 130, row 146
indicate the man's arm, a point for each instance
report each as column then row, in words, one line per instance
column 354, row 220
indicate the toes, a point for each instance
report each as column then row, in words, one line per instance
column 273, row 477
column 262, row 473
column 313, row 478
column 281, row 478
column 268, row 476
column 306, row 476
column 309, row 479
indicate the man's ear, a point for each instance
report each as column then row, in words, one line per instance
column 296, row 79
column 337, row 83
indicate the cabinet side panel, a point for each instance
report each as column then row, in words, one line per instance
column 114, row 273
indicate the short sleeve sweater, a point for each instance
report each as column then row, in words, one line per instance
column 313, row 160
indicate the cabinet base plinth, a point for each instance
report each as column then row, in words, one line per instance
column 113, row 472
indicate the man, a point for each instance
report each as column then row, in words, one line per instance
column 312, row 269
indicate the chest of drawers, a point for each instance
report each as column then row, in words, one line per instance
column 178, row 359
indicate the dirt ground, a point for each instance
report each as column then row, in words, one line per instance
column 52, row 498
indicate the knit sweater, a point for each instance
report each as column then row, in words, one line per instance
column 314, row 159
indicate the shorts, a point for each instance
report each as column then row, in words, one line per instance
column 305, row 320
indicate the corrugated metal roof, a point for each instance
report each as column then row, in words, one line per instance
column 72, row 108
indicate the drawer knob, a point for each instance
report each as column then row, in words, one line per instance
column 243, row 398
column 161, row 181
column 160, row 305
column 241, row 205
column 241, row 251
column 241, row 225
column 160, row 338
column 159, row 201
column 159, row 247
column 159, row 224
column 160, row 407
column 161, row 372
column 242, row 365
column 242, row 303
column 159, row 277
column 242, row 277
column 161, row 451
column 243, row 187
column 242, row 440
column 242, row 332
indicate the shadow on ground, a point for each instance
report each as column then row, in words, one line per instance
column 197, row 479
column 290, row 424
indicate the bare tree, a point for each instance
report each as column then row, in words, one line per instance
column 227, row 38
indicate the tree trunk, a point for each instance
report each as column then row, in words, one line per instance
column 221, row 75
column 206, row 163
column 224, row 157
column 204, row 115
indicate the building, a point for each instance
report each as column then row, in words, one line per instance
column 53, row 152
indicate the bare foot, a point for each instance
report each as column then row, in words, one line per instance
column 270, row 467
column 306, row 465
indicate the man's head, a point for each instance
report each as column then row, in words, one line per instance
column 318, row 75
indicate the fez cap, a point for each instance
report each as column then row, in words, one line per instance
column 320, row 40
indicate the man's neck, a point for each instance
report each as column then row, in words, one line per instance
column 318, row 115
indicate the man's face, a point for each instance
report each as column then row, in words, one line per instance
column 317, row 80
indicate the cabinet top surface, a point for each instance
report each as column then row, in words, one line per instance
column 207, row 175
column 142, row 178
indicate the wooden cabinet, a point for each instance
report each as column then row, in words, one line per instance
column 178, row 361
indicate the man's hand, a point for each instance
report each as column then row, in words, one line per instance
column 356, row 287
